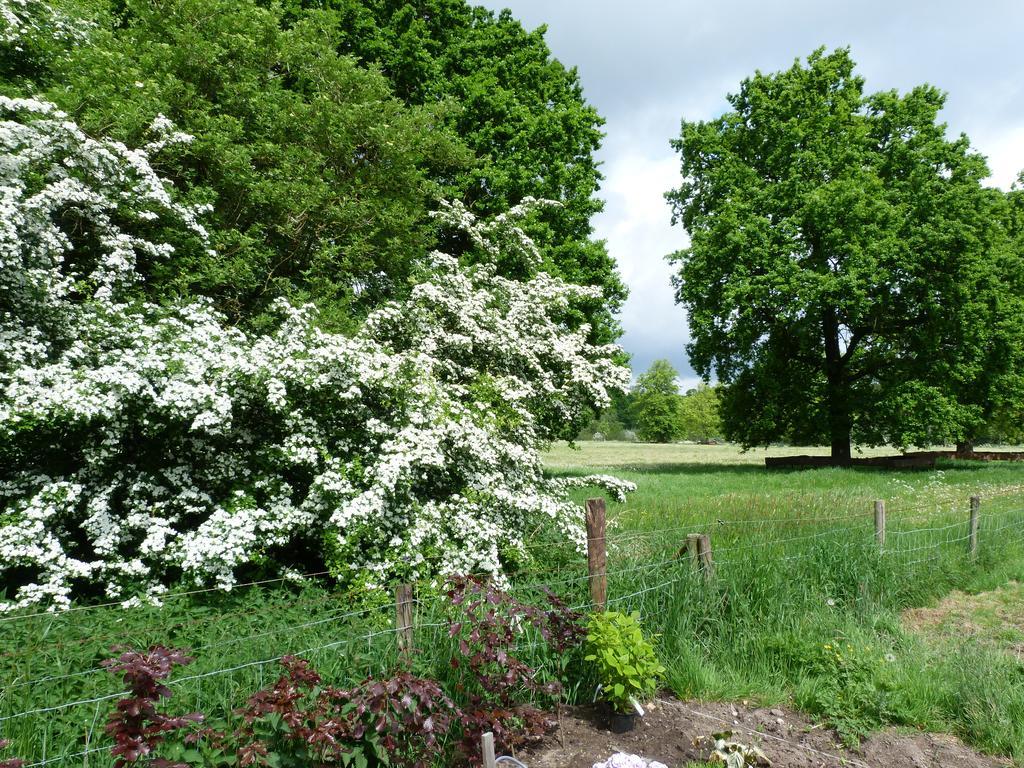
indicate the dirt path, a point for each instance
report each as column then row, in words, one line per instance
column 676, row 733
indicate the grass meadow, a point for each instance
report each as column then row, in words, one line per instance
column 804, row 607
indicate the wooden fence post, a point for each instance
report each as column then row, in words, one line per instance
column 972, row 532
column 403, row 620
column 487, row 748
column 707, row 563
column 880, row 524
column 597, row 553
column 693, row 550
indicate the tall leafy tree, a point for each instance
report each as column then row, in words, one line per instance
column 990, row 336
column 319, row 178
column 520, row 111
column 840, row 277
column 1001, row 416
column 656, row 402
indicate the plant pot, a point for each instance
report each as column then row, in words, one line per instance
column 621, row 722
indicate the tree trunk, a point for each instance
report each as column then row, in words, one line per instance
column 841, row 453
column 965, row 446
column 840, row 422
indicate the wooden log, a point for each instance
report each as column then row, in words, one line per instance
column 403, row 620
column 972, row 531
column 880, row 524
column 913, row 461
column 597, row 553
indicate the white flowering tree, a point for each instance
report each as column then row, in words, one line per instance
column 144, row 445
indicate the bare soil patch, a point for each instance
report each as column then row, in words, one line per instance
column 677, row 733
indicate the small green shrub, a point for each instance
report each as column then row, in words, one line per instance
column 852, row 689
column 627, row 666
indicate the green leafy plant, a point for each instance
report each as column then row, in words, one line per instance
column 733, row 754
column 627, row 666
column 853, row 689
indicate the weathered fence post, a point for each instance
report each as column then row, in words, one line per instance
column 597, row 553
column 704, row 559
column 487, row 748
column 693, row 550
column 972, row 531
column 403, row 620
column 880, row 524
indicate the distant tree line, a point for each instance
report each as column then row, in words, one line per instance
column 655, row 411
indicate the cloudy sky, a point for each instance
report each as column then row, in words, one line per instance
column 646, row 64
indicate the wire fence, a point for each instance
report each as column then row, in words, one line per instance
column 68, row 696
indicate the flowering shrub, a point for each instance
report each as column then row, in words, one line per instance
column 146, row 445
column 28, row 25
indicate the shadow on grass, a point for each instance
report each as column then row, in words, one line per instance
column 678, row 468
column 709, row 468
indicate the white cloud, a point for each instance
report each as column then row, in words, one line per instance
column 1005, row 153
column 636, row 225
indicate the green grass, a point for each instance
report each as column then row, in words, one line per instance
column 798, row 575
column 803, row 576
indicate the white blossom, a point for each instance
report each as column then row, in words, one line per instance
column 156, row 443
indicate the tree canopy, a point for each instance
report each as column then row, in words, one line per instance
column 325, row 132
column 698, row 414
column 843, row 277
column 319, row 178
column 521, row 113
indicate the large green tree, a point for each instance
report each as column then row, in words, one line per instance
column 655, row 403
column 319, row 178
column 840, row 277
column 325, row 132
column 520, row 112
column 988, row 332
column 1002, row 399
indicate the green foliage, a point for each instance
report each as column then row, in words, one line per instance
column 37, row 37
column 998, row 387
column 852, row 689
column 627, row 666
column 326, row 131
column 698, row 414
column 655, row 403
column 847, row 274
column 318, row 177
column 521, row 113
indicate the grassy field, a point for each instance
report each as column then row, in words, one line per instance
column 804, row 608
